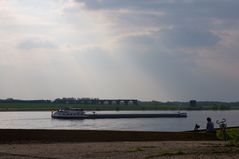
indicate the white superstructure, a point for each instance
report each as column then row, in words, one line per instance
column 69, row 113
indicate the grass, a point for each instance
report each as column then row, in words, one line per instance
column 140, row 149
column 137, row 149
column 215, row 152
column 166, row 154
column 232, row 136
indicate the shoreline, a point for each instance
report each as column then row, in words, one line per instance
column 54, row 109
column 89, row 144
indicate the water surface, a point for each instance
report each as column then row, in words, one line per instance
column 43, row 120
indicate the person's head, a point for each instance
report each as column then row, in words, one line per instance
column 209, row 119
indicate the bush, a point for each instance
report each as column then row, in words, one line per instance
column 232, row 135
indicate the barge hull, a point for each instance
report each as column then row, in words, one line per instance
column 116, row 116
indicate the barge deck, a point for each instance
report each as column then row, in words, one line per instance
column 115, row 116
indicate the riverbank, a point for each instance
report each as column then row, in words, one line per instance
column 108, row 109
column 140, row 106
column 119, row 150
column 93, row 144
column 52, row 136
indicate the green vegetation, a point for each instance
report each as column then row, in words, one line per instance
column 152, row 105
column 232, row 136
column 166, row 154
column 137, row 149
column 53, row 106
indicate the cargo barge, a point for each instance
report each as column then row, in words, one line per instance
column 81, row 114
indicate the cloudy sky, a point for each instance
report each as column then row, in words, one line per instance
column 163, row 50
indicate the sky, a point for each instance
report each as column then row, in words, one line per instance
column 166, row 50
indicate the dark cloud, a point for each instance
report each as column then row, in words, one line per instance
column 192, row 25
column 192, row 12
column 192, row 21
column 179, row 72
column 188, row 38
column 116, row 4
column 212, row 8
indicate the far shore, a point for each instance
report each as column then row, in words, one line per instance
column 21, row 109
column 141, row 106
column 54, row 109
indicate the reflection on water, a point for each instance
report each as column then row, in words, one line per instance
column 42, row 120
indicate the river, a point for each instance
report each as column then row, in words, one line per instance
column 43, row 120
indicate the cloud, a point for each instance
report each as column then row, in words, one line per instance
column 188, row 38
column 146, row 49
column 190, row 13
column 186, row 45
column 36, row 43
column 192, row 27
column 188, row 8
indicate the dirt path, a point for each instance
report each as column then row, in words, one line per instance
column 120, row 150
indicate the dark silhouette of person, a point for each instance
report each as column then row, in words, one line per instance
column 210, row 125
column 196, row 127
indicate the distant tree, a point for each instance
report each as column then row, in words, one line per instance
column 193, row 103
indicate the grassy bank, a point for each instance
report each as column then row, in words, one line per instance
column 23, row 135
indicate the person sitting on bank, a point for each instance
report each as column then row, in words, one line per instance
column 210, row 125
